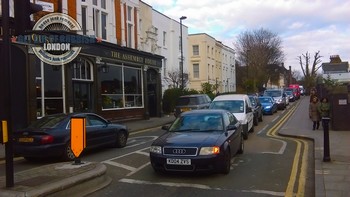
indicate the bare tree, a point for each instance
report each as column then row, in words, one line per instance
column 257, row 49
column 310, row 71
column 173, row 78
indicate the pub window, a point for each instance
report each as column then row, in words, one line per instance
column 121, row 87
column 48, row 89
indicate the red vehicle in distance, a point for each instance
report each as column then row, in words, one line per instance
column 296, row 90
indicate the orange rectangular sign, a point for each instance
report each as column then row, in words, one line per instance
column 4, row 132
column 77, row 135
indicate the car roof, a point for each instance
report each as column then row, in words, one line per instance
column 193, row 95
column 205, row 111
column 230, row 97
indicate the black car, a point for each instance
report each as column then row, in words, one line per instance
column 190, row 102
column 257, row 109
column 50, row 136
column 198, row 140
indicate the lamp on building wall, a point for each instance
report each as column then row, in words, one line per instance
column 181, row 50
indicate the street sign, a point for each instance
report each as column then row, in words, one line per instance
column 77, row 135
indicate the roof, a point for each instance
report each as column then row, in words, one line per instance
column 230, row 97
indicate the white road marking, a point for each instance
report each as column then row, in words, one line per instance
column 196, row 186
column 135, row 139
column 112, row 163
column 282, row 149
column 275, row 118
column 138, row 169
column 142, row 153
column 169, row 184
column 263, row 129
column 266, row 192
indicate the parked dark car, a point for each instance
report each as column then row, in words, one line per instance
column 190, row 102
column 198, row 140
column 50, row 136
column 290, row 95
column 257, row 109
column 279, row 96
column 269, row 105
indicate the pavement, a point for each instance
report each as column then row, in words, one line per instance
column 332, row 178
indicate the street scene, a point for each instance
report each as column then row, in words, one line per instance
column 174, row 98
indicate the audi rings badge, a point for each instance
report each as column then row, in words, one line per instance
column 179, row 151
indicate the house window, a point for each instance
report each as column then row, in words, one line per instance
column 130, row 27
column 83, row 19
column 164, row 38
column 195, row 49
column 196, row 71
column 100, row 18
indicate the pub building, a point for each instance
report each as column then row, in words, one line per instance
column 118, row 83
column 115, row 82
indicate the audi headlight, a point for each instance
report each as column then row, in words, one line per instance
column 209, row 150
column 156, row 149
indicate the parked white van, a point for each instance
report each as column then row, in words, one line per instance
column 240, row 106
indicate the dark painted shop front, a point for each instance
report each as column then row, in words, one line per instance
column 116, row 82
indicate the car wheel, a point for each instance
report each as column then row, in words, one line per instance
column 227, row 162
column 261, row 117
column 121, row 140
column 245, row 131
column 251, row 129
column 68, row 154
column 256, row 120
column 241, row 146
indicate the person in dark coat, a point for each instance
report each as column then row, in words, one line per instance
column 314, row 113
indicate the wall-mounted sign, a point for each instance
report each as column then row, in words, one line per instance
column 342, row 102
column 47, row 6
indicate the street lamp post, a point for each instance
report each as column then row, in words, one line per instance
column 181, row 60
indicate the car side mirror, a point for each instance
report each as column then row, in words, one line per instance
column 165, row 127
column 249, row 109
column 231, row 127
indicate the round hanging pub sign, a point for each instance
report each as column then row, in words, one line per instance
column 60, row 47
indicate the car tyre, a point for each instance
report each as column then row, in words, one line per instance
column 241, row 146
column 245, row 131
column 256, row 121
column 121, row 140
column 227, row 163
column 68, row 154
column 261, row 117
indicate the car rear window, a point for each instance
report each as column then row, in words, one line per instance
column 273, row 93
column 48, row 122
column 187, row 101
column 234, row 106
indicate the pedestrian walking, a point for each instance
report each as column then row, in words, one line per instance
column 313, row 93
column 324, row 108
column 314, row 113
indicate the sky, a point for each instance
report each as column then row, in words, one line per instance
column 304, row 26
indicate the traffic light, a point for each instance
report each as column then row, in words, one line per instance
column 23, row 9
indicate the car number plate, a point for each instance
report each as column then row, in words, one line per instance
column 26, row 139
column 178, row 161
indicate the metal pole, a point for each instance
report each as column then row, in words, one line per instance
column 6, row 85
column 326, row 152
column 181, row 60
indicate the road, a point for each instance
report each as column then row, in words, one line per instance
column 271, row 165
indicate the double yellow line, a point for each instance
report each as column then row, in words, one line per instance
column 299, row 154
